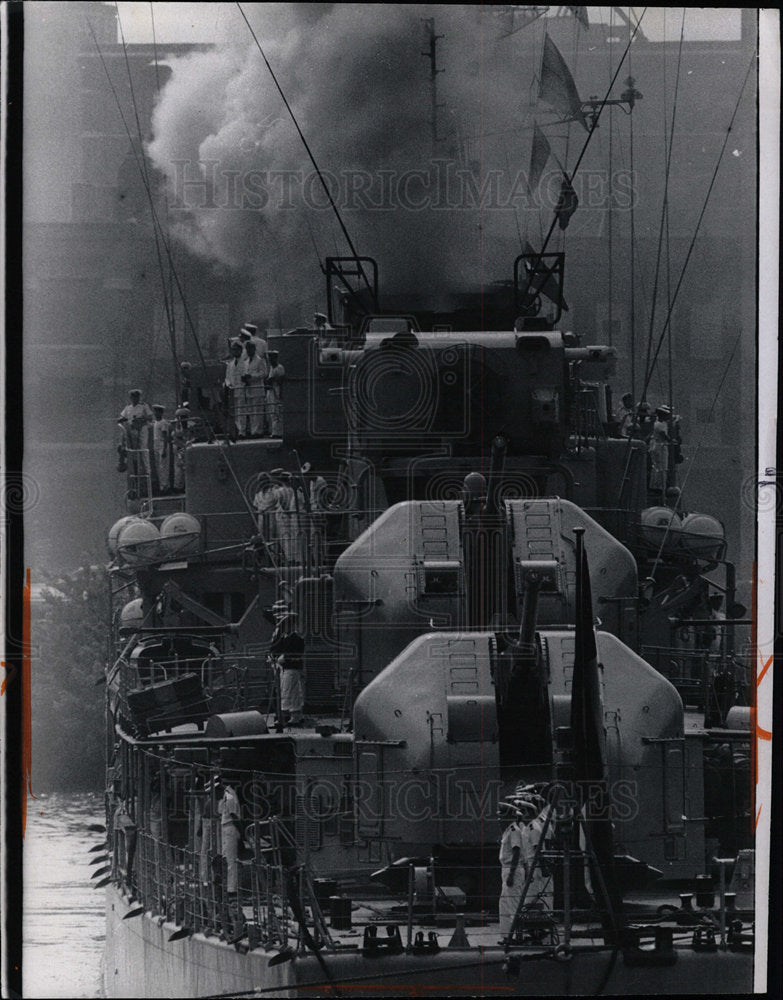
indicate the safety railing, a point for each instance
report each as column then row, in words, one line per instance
column 208, row 887
column 139, row 478
column 585, row 424
column 712, row 681
column 254, row 413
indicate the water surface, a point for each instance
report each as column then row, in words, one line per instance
column 63, row 920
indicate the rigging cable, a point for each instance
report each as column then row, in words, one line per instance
column 516, row 212
column 611, row 193
column 649, row 372
column 665, row 206
column 593, row 127
column 158, row 230
column 698, row 447
column 632, row 254
column 173, row 325
column 576, row 34
column 669, row 342
column 155, row 219
column 142, row 163
column 648, row 375
column 310, row 154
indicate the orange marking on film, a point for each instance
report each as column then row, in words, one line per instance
column 764, row 669
column 11, row 674
column 757, row 819
column 754, row 757
column 762, row 734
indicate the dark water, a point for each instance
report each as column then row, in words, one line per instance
column 63, row 921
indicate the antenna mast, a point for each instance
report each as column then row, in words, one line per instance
column 432, row 54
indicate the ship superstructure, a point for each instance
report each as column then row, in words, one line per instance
column 487, row 602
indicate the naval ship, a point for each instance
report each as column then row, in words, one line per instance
column 494, row 618
column 425, row 677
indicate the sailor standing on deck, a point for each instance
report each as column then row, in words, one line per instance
column 135, row 419
column 230, row 811
column 286, row 516
column 625, row 416
column 254, row 377
column 249, row 334
column 207, row 832
column 161, row 444
column 274, row 395
column 526, row 813
column 180, row 438
column 156, row 826
column 642, row 427
column 659, row 449
column 287, row 650
column 234, row 386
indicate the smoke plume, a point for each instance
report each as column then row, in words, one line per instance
column 242, row 189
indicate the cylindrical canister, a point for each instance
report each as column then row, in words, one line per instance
column 324, row 889
column 705, row 897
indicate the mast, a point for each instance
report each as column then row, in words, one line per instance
column 431, row 53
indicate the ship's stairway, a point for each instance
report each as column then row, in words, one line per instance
column 139, row 478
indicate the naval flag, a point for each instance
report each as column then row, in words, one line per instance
column 567, row 203
column 557, row 86
column 539, row 156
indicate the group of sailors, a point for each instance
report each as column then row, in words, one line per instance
column 152, row 447
column 525, row 814
column 660, row 428
column 253, row 386
column 291, row 515
column 163, row 464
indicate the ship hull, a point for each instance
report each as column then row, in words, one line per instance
column 141, row 961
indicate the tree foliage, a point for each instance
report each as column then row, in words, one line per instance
column 70, row 640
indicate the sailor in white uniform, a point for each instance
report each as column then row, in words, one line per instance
column 527, row 814
column 274, row 396
column 235, row 369
column 254, row 377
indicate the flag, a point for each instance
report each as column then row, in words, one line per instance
column 557, row 86
column 589, row 750
column 539, row 156
column 549, row 287
column 567, row 203
column 587, row 726
column 580, row 13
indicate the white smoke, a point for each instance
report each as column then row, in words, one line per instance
column 356, row 80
